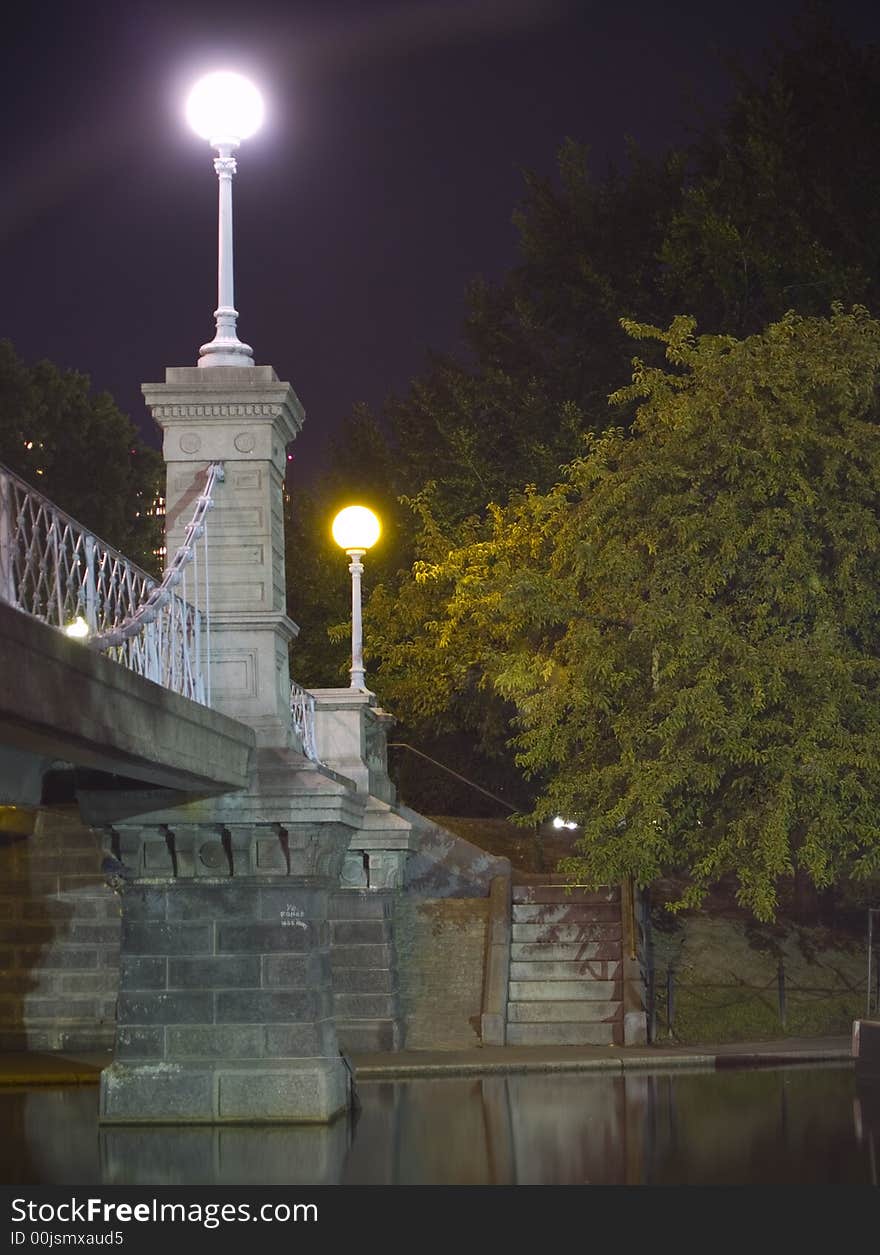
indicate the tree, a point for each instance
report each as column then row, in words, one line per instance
column 768, row 210
column 82, row 452
column 686, row 623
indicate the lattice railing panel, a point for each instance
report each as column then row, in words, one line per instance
column 53, row 568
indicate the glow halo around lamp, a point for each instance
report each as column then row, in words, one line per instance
column 356, row 529
column 224, row 108
column 78, row 629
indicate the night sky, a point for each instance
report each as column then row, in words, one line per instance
column 383, row 180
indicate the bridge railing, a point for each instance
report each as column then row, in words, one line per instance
column 302, row 720
column 53, row 568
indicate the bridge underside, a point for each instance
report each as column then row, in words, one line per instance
column 61, row 702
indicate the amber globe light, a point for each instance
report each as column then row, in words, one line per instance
column 356, row 529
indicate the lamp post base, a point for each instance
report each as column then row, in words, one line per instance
column 226, row 352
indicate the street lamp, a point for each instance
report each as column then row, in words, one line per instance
column 224, row 108
column 355, row 529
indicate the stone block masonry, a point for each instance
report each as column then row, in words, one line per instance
column 59, row 939
column 225, row 1004
column 441, row 944
column 365, row 982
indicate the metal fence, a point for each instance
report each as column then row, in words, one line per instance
column 55, row 569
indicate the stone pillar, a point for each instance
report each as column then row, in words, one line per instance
column 244, row 417
column 225, row 1010
column 351, row 735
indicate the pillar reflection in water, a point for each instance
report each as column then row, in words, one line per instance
column 224, row 1155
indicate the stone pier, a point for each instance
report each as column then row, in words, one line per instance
column 226, row 1006
column 225, row 1010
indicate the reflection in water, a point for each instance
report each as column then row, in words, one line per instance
column 866, row 1113
column 734, row 1127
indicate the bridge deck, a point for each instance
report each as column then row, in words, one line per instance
column 60, row 700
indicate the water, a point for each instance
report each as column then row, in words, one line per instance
column 793, row 1125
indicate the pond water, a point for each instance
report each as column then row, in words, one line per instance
column 791, row 1125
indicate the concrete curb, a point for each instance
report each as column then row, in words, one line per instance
column 24, row 1071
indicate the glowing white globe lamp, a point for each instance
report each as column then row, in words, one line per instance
column 224, row 108
column 356, row 529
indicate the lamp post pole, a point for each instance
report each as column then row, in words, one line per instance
column 226, row 339
column 356, row 567
column 355, row 529
column 224, row 109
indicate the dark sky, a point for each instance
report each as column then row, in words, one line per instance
column 383, row 180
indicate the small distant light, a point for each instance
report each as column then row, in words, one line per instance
column 39, row 470
column 290, row 457
column 78, row 628
column 559, row 822
column 29, row 444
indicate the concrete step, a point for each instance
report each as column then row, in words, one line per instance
column 562, row 990
column 571, row 913
column 554, row 934
column 580, row 970
column 561, row 1034
column 566, row 952
column 549, row 894
column 563, row 1012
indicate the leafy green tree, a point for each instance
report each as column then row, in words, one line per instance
column 82, row 452
column 687, row 623
column 773, row 208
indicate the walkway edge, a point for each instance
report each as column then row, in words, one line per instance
column 641, row 1063
column 23, row 1071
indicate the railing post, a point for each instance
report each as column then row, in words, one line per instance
column 7, row 542
column 91, row 585
column 870, row 949
column 56, row 557
column 780, row 982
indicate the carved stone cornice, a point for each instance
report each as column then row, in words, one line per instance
column 222, row 410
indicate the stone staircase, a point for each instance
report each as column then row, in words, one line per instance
column 566, row 966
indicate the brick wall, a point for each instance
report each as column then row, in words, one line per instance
column 59, row 939
column 441, row 944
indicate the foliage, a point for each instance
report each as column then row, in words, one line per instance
column 768, row 210
column 82, row 452
column 686, row 624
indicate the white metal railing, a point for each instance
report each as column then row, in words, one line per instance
column 56, row 570
column 302, row 720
